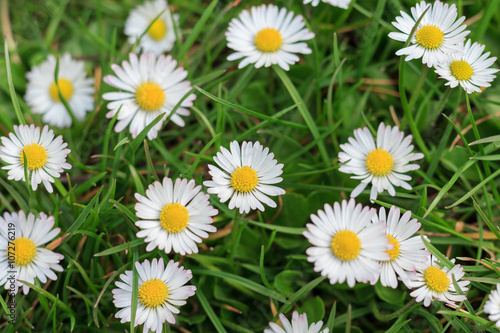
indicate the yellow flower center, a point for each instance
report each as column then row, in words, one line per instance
column 430, row 37
column 36, row 156
column 379, row 162
column 157, row 30
column 346, row 245
column 244, row 179
column 436, row 279
column 24, row 251
column 461, row 70
column 65, row 87
column 394, row 252
column 153, row 293
column 268, row 40
column 174, row 217
column 150, row 96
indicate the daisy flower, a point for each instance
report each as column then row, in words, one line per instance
column 174, row 216
column 45, row 156
column 383, row 163
column 470, row 69
column 492, row 306
column 160, row 37
column 435, row 282
column 407, row 250
column 150, row 87
column 22, row 256
column 298, row 325
column 267, row 36
column 336, row 3
column 160, row 288
column 438, row 34
column 42, row 93
column 246, row 176
column 346, row 246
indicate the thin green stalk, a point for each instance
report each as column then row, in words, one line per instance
column 393, row 315
column 419, row 86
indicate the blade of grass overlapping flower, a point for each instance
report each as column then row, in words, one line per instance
column 209, row 311
column 135, row 289
column 13, row 96
column 75, row 123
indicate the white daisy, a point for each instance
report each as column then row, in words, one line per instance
column 46, row 156
column 438, row 34
column 161, row 35
column 246, row 176
column 470, row 69
column 267, row 35
column 160, row 290
column 346, row 246
column 298, row 325
column 436, row 282
column 492, row 306
column 22, row 256
column 42, row 93
column 382, row 163
column 336, row 3
column 174, row 216
column 151, row 86
column 407, row 250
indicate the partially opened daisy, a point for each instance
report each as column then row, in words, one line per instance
column 150, row 86
column 336, row 3
column 297, row 325
column 160, row 36
column 267, row 36
column 161, row 289
column 42, row 92
column 174, row 216
column 407, row 252
column 438, row 34
column 45, row 156
column 492, row 306
column 469, row 69
column 382, row 163
column 247, row 176
column 23, row 237
column 346, row 246
column 432, row 281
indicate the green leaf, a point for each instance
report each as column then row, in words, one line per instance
column 389, row 295
column 287, row 281
column 315, row 309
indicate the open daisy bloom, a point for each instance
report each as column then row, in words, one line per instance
column 433, row 281
column 438, row 34
column 174, row 216
column 42, row 92
column 407, row 252
column 469, row 69
column 31, row 259
column 45, row 156
column 160, row 290
column 150, row 87
column 492, row 306
column 160, row 36
column 297, row 325
column 336, row 3
column 383, row 163
column 267, row 36
column 346, row 245
column 246, row 176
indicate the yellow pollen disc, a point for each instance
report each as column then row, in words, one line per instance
column 430, row 37
column 24, row 251
column 436, row 279
column 460, row 69
column 174, row 217
column 66, row 88
column 153, row 293
column 244, row 179
column 150, row 96
column 268, row 40
column 394, row 252
column 158, row 30
column 379, row 162
column 346, row 245
column 36, row 156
